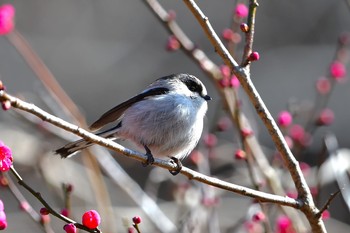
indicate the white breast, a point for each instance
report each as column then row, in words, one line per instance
column 169, row 125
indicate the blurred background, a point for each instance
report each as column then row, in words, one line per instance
column 102, row 52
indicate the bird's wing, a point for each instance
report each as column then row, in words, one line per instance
column 116, row 112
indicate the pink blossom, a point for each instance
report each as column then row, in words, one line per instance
column 172, row 43
column 326, row 117
column 284, row 118
column 297, row 133
column 224, row 82
column 70, row 228
column 171, row 15
column 45, row 219
column 224, row 124
column 136, row 220
column 65, row 212
column 225, row 71
column 227, row 34
column 196, row 156
column 259, row 217
column 337, row 70
column 240, row 155
column 1, row 206
column 5, row 157
column 210, row 201
column 44, row 211
column 210, row 140
column 236, row 38
column 8, row 9
column 241, row 10
column 7, row 13
column 4, row 182
column 234, row 81
column 252, row 227
column 69, row 188
column 3, row 221
column 314, row 191
column 326, row 215
column 254, row 56
column 24, row 205
column 289, row 141
column 284, row 225
column 91, row 219
column 305, row 168
column 246, row 132
column 6, row 105
column 292, row 194
column 323, row 86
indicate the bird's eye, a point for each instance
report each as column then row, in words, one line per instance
column 192, row 84
column 193, row 88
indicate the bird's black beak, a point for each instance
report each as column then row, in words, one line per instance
column 207, row 97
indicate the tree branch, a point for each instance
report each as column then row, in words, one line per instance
column 243, row 75
column 260, row 196
column 249, row 39
column 38, row 196
column 230, row 101
column 328, row 202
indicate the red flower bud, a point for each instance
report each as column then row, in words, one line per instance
column 240, row 155
column 136, row 220
column 91, row 219
column 44, row 211
column 244, row 27
column 70, row 228
column 254, row 56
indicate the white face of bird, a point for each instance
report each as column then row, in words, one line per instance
column 184, row 84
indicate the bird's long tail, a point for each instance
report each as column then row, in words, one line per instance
column 74, row 147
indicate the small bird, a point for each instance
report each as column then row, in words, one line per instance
column 166, row 119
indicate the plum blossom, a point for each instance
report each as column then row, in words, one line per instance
column 5, row 157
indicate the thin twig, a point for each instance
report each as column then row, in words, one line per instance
column 249, row 39
column 65, row 108
column 38, row 196
column 260, row 196
column 21, row 199
column 327, row 204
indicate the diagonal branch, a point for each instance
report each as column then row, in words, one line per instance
column 260, row 196
column 229, row 98
column 243, row 75
column 328, row 203
column 247, row 84
column 38, row 196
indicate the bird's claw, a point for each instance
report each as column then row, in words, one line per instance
column 178, row 166
column 150, row 158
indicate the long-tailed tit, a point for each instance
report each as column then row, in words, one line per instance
column 166, row 119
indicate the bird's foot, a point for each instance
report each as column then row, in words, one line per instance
column 178, row 166
column 150, row 158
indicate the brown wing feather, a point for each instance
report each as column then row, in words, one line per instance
column 116, row 112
